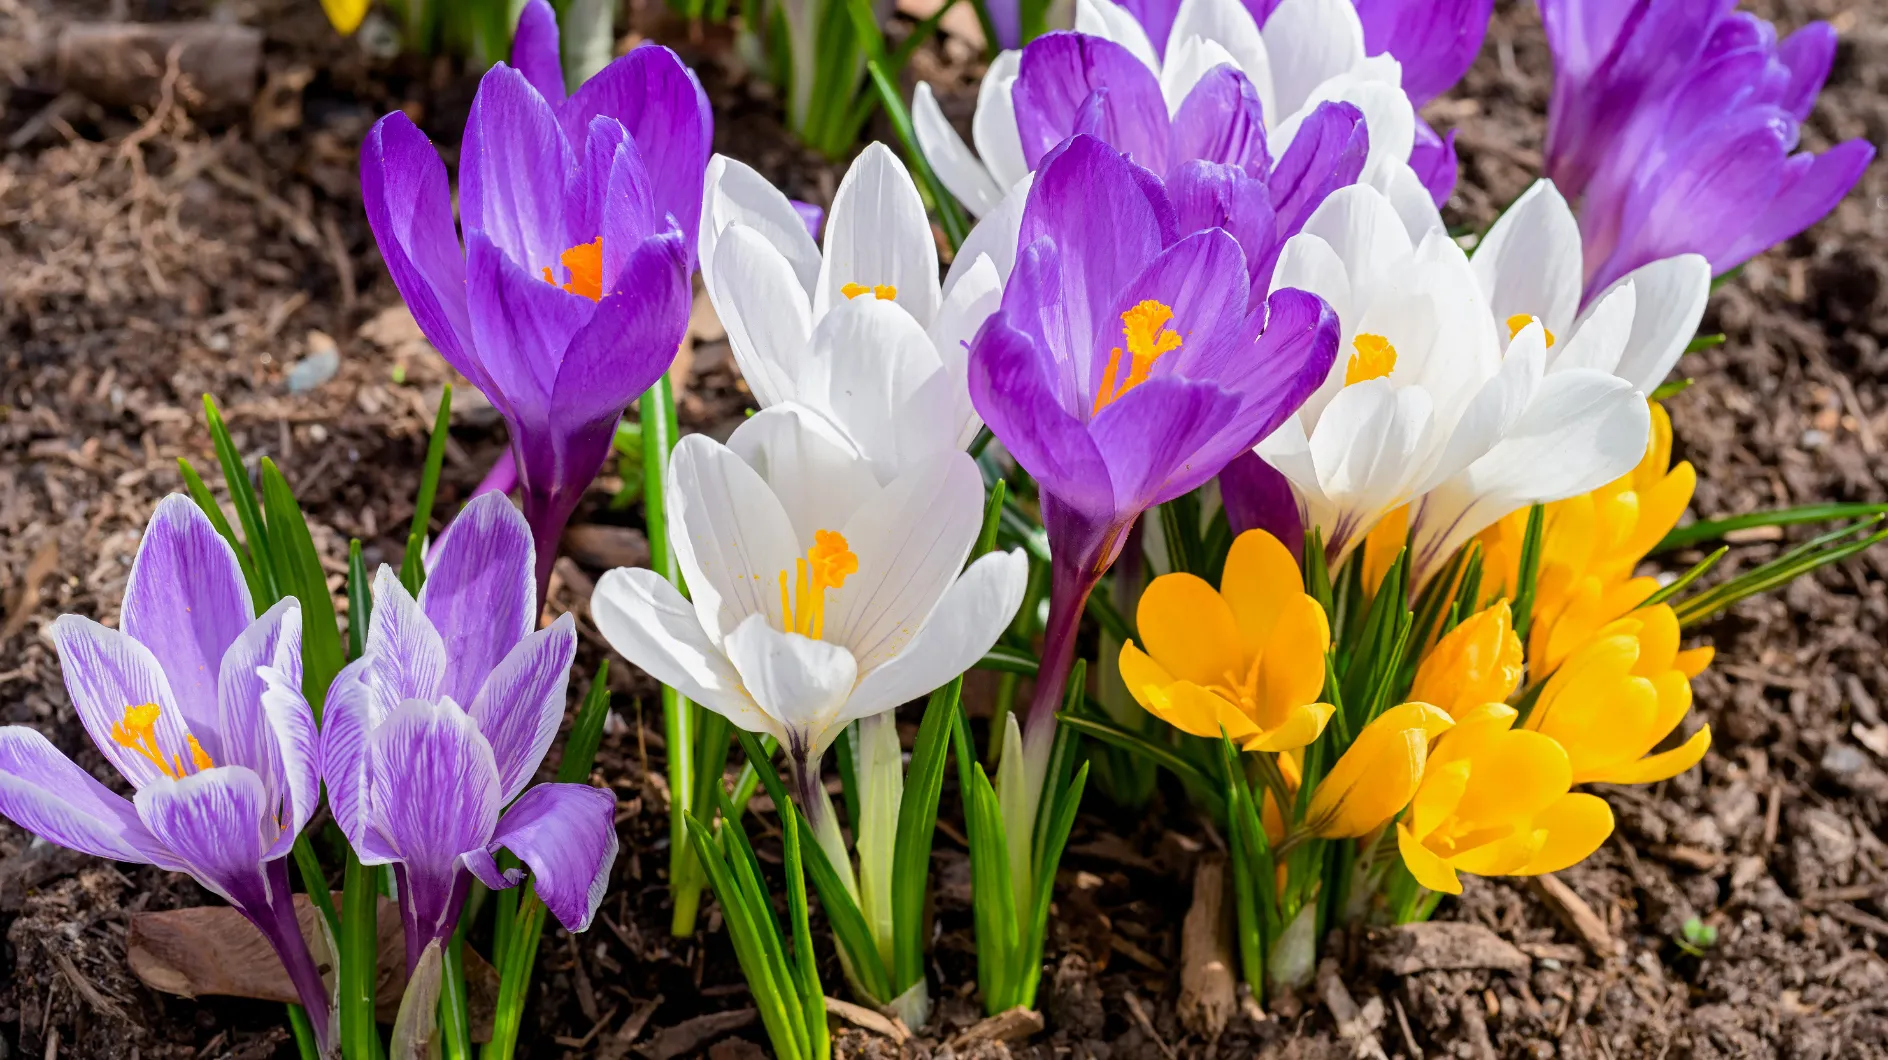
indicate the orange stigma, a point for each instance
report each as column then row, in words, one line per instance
column 584, row 262
column 1148, row 337
column 826, row 566
column 138, row 731
column 884, row 292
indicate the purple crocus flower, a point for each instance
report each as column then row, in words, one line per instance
column 1675, row 124
column 441, row 724
column 571, row 293
column 1257, row 497
column 198, row 704
column 1435, row 40
column 1127, row 363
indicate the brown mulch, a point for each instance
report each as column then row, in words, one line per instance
column 149, row 255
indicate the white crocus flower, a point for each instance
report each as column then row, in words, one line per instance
column 821, row 595
column 1309, row 52
column 1424, row 405
column 861, row 331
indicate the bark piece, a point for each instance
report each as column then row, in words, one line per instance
column 1443, row 946
column 1579, row 917
column 1010, row 1025
column 1208, row 987
column 691, row 1034
column 869, row 1020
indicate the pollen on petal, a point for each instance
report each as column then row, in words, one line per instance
column 1374, row 359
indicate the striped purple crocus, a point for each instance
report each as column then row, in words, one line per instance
column 1128, row 362
column 570, row 292
column 198, row 705
column 433, row 735
column 1675, row 125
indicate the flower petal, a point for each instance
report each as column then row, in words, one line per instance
column 1190, row 631
column 217, row 823
column 993, row 125
column 512, row 166
column 800, row 682
column 434, row 792
column 812, row 465
column 521, row 326
column 873, row 370
column 627, row 344
column 479, row 593
column 737, row 195
column 264, row 721
column 649, row 623
column 521, row 705
column 1529, row 263
column 966, row 623
column 732, row 538
column 877, row 234
column 409, row 209
column 566, row 833
column 45, row 793
column 1063, row 75
column 349, row 715
column 1669, row 304
column 536, row 50
column 1576, row 824
column 1012, row 391
column 107, row 672
column 950, row 157
column 1309, row 42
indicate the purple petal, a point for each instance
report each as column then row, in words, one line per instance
column 522, row 704
column 566, row 833
column 264, row 721
column 1257, row 497
column 812, row 215
column 43, row 792
column 512, row 168
column 536, row 50
column 1221, row 120
column 107, row 672
column 1202, row 280
column 217, row 823
column 348, row 717
column 1808, row 54
column 405, row 657
column 186, row 601
column 660, row 102
column 480, row 594
column 1150, row 437
column 1207, row 195
column 1433, row 159
column 1272, row 371
column 630, row 341
column 1327, row 154
column 633, row 215
column 1058, row 74
column 1006, row 21
column 521, row 325
column 409, row 208
column 1013, row 393
column 1810, row 188
column 433, row 790
column 1434, row 40
column 609, row 188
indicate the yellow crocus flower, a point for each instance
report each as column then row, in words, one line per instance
column 1590, row 545
column 1479, row 661
column 1494, row 801
column 345, row 15
column 1374, row 779
column 1621, row 693
column 1247, row 658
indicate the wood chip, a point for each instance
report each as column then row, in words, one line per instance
column 869, row 1020
column 1579, row 917
column 1690, row 857
column 24, row 600
column 1552, row 951
column 1208, row 987
column 1854, row 917
column 689, row 1035
column 1439, row 945
column 1356, row 1024
column 1010, row 1025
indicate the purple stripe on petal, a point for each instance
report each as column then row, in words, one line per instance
column 217, row 823
column 434, row 790
column 536, row 50
column 107, row 672
column 1206, row 195
column 521, row 325
column 349, row 717
column 660, row 101
column 265, row 722
column 405, row 654
column 1058, row 75
column 512, row 167
column 630, row 341
column 566, row 833
column 409, row 208
column 45, row 793
column 522, row 704
column 1811, row 187
column 1150, row 437
column 587, row 193
column 633, row 216
column 479, row 593
column 186, row 601
column 1221, row 120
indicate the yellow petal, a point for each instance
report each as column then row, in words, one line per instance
column 1657, row 767
column 1692, row 663
column 1302, row 726
column 1197, row 712
column 1139, row 673
column 1260, row 577
column 1660, row 507
column 1189, row 630
column 1576, row 824
column 1517, row 775
column 1437, row 796
column 1500, row 853
column 1430, row 871
column 345, row 15
column 1377, row 775
column 1658, row 640
column 1479, row 661
column 1384, row 541
column 1291, row 668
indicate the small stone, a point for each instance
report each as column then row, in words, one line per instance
column 323, row 360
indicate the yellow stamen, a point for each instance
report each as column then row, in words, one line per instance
column 584, row 262
column 1144, row 327
column 826, row 566
column 884, row 292
column 138, row 731
column 1374, row 359
column 1521, row 320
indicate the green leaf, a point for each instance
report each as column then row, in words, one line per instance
column 1135, row 743
column 917, row 824
column 1683, row 581
column 812, row 997
column 1832, row 547
column 299, row 574
column 1713, row 529
column 1701, row 342
column 1005, row 659
column 747, row 923
column 1055, row 838
column 412, row 565
column 586, row 734
column 359, row 971
column 1529, row 577
column 214, row 511
column 242, row 495
column 1671, row 389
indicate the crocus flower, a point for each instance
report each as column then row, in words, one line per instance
column 862, row 332
column 1246, row 660
column 1434, row 40
column 1619, row 695
column 1126, row 367
column 571, row 293
column 820, row 594
column 1676, row 125
column 1590, row 546
column 1257, row 497
column 1378, row 773
column 1494, row 801
column 198, row 705
column 432, row 736
column 1479, row 661
column 1428, row 407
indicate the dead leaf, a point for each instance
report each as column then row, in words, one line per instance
column 25, row 599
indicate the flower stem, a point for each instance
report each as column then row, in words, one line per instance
column 274, row 916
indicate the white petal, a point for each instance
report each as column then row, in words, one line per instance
column 812, row 466
column 1670, row 303
column 735, row 194
column 730, row 535
column 801, row 682
column 1103, row 18
column 950, row 158
column 965, row 625
column 967, row 304
column 1368, row 237
column 1387, row 116
column 993, row 126
column 1192, row 60
column 1372, row 444
column 1495, row 409
column 1409, row 198
column 877, row 234
column 993, row 237
column 874, row 372
column 1444, row 342
column 1310, row 41
column 911, row 542
column 1600, row 336
column 1228, row 24
column 1529, row 263
column 766, row 313
column 649, row 623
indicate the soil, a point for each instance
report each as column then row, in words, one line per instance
column 152, row 254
